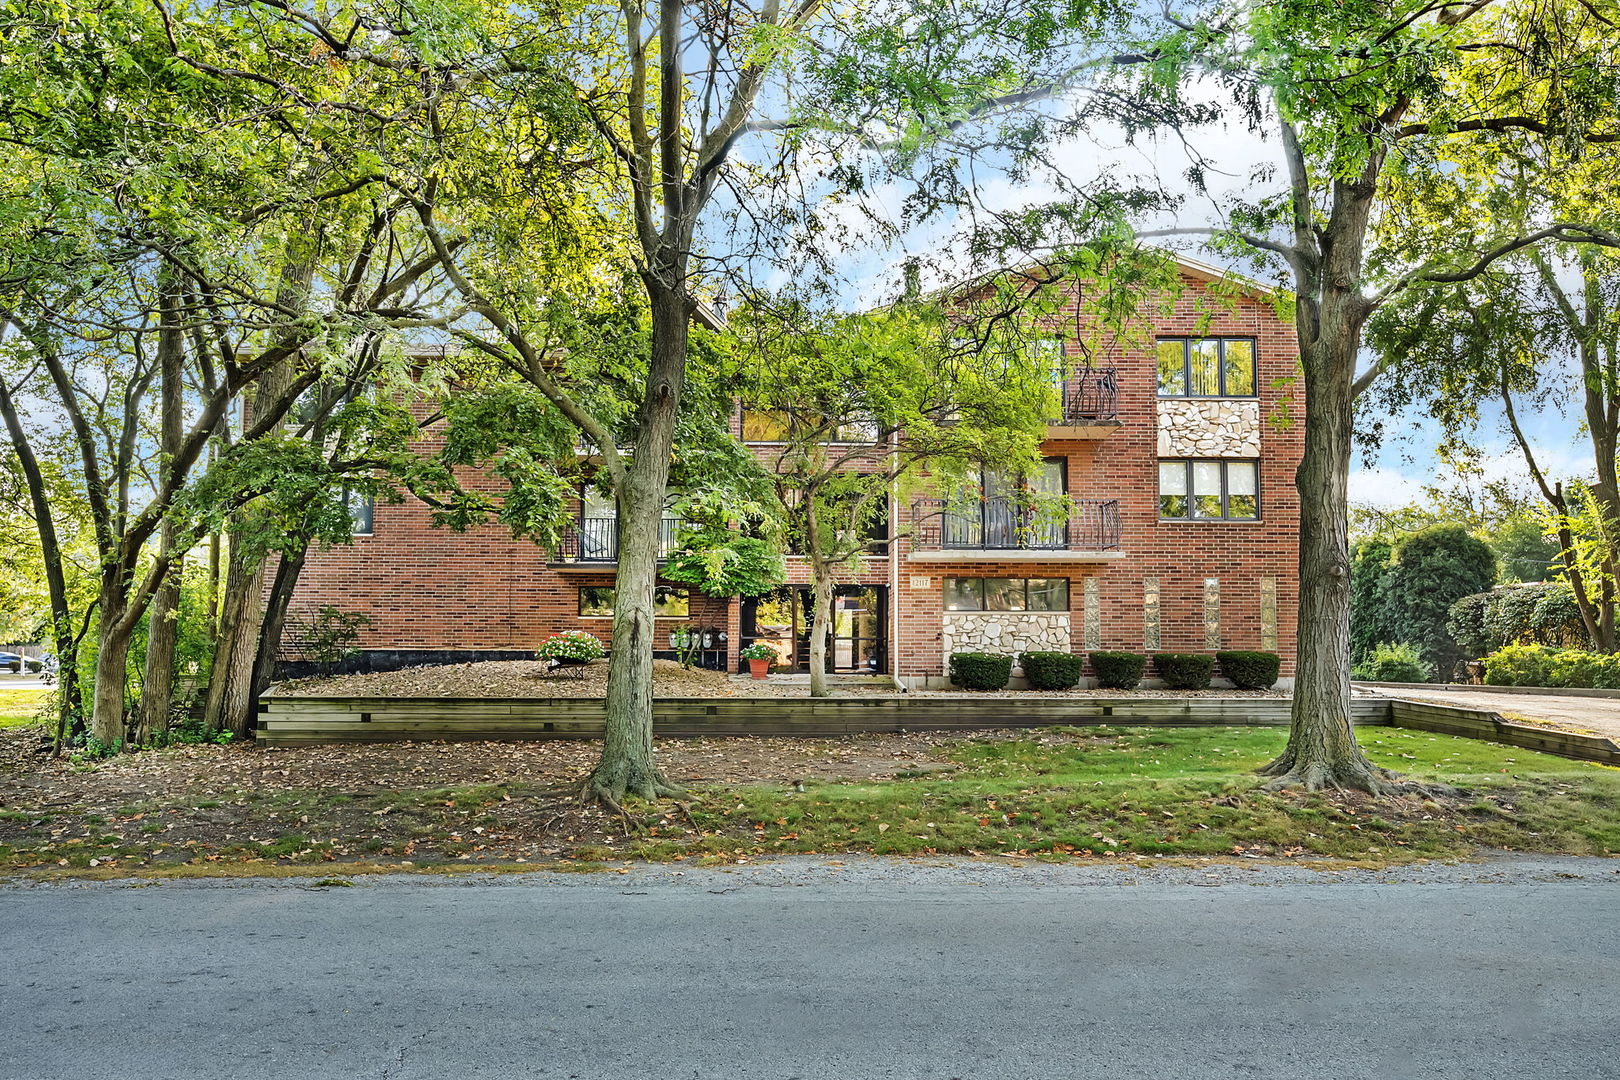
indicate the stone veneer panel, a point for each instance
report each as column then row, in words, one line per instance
column 1268, row 614
column 1209, row 427
column 1150, row 613
column 1212, row 613
column 1006, row 631
column 1093, row 612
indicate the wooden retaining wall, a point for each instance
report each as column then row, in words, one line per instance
column 297, row 721
column 1478, row 724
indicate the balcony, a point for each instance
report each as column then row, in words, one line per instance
column 1090, row 406
column 1006, row 530
column 594, row 541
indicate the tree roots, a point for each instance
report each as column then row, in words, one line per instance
column 609, row 785
column 1353, row 774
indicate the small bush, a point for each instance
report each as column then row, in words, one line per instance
column 1394, row 662
column 1184, row 671
column 1051, row 670
column 1118, row 670
column 980, row 671
column 1250, row 670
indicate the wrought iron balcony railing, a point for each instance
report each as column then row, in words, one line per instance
column 1003, row 524
column 596, row 539
column 1090, row 397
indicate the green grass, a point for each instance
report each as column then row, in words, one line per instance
column 20, row 708
column 1054, row 794
column 1177, row 792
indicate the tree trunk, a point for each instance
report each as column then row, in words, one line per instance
column 1322, row 750
column 626, row 765
column 69, row 713
column 821, row 617
column 229, row 704
column 163, row 631
column 275, row 616
column 112, row 659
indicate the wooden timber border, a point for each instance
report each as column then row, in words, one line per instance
column 305, row 721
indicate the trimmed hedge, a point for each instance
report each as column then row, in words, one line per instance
column 1051, row 670
column 1250, row 670
column 1539, row 665
column 1184, row 671
column 980, row 670
column 1118, row 670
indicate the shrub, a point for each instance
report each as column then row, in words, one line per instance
column 1250, row 670
column 574, row 645
column 1539, row 665
column 1184, row 671
column 1398, row 662
column 980, row 671
column 1051, row 670
column 1118, row 670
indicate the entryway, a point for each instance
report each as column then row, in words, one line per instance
column 859, row 644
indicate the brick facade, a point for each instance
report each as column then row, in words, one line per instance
column 432, row 589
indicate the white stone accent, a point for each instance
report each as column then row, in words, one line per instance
column 1209, row 427
column 1006, row 632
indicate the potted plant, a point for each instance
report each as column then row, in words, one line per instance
column 760, row 657
column 571, row 648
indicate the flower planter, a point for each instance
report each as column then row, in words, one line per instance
column 760, row 667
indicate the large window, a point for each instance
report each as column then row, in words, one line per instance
column 1209, row 490
column 597, row 601
column 1006, row 594
column 1206, row 367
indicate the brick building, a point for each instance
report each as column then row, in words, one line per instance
column 1176, row 453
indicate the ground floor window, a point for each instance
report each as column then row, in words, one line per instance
column 597, row 601
column 1006, row 594
column 1209, row 490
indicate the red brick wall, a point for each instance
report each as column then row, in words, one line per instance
column 433, row 589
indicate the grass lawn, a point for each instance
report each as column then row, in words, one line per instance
column 20, row 708
column 1121, row 793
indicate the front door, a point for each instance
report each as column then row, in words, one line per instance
column 781, row 619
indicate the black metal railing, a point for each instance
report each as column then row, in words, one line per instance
column 1010, row 524
column 1090, row 396
column 596, row 539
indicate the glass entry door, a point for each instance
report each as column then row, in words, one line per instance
column 781, row 619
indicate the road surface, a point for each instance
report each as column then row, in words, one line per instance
column 810, row 970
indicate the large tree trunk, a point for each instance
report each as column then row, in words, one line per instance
column 627, row 766
column 821, row 617
column 163, row 629
column 1322, row 750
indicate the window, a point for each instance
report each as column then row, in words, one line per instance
column 1209, row 490
column 776, row 425
column 362, row 509
column 1006, row 594
column 596, row 601
column 1206, row 367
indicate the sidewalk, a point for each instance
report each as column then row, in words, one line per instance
column 1584, row 714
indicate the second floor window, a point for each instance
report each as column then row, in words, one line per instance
column 1209, row 490
column 1206, row 367
column 362, row 510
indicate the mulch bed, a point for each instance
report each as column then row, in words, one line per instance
column 530, row 679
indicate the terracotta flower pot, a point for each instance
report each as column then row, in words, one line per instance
column 759, row 667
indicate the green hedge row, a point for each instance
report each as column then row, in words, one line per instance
column 1115, row 670
column 1542, row 665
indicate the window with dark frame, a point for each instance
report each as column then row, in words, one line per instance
column 1206, row 367
column 596, row 601
column 1006, row 594
column 1192, row 489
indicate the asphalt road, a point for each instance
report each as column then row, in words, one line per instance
column 808, row 970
